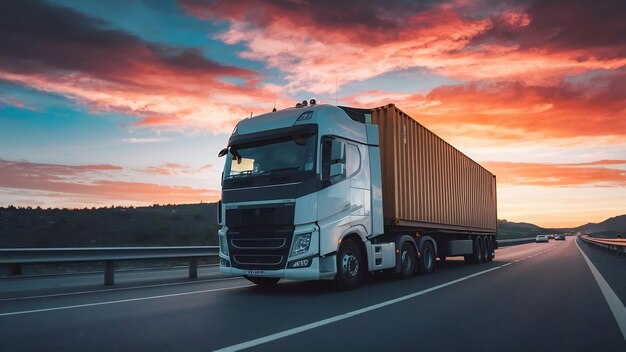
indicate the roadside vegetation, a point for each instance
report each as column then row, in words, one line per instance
column 156, row 225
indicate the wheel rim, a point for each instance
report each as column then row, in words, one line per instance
column 407, row 264
column 350, row 265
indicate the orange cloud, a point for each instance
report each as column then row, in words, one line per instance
column 570, row 175
column 86, row 183
column 514, row 111
column 169, row 169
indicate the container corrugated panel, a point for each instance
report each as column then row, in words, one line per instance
column 427, row 182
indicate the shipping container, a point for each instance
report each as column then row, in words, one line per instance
column 427, row 183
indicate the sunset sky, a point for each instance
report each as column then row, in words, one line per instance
column 128, row 102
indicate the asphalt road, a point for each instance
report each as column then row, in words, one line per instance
column 532, row 297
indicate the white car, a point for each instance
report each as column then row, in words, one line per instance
column 542, row 238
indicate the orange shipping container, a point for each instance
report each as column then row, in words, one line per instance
column 427, row 183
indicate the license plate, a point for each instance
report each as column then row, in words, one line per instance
column 255, row 272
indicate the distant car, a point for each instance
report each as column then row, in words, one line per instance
column 550, row 237
column 559, row 237
column 542, row 238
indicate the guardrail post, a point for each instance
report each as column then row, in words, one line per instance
column 193, row 268
column 16, row 269
column 109, row 276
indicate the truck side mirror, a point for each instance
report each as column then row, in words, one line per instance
column 222, row 152
column 338, row 169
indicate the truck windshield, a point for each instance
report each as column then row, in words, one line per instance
column 285, row 156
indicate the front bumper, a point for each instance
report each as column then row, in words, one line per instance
column 309, row 273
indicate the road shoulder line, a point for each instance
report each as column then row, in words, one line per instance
column 615, row 304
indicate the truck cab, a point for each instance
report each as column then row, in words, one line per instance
column 296, row 183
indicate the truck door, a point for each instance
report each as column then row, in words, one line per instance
column 334, row 199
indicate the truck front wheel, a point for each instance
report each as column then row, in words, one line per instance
column 350, row 265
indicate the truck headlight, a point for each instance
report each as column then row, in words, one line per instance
column 223, row 246
column 301, row 244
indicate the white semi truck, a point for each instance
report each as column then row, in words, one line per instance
column 321, row 192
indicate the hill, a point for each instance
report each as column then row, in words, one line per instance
column 519, row 229
column 614, row 224
column 159, row 225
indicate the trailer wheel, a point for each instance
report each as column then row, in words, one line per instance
column 350, row 265
column 490, row 248
column 427, row 259
column 408, row 260
column 476, row 255
column 484, row 249
column 263, row 281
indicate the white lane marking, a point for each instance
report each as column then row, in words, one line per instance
column 122, row 301
column 617, row 307
column 117, row 289
column 353, row 313
column 516, row 261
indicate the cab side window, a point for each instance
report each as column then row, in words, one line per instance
column 353, row 160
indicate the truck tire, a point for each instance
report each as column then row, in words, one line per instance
column 483, row 258
column 427, row 259
column 350, row 265
column 490, row 248
column 408, row 260
column 263, row 281
column 476, row 255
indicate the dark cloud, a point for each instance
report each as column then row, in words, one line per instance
column 597, row 27
column 369, row 20
column 36, row 36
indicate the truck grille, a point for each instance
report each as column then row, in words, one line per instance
column 269, row 243
column 259, row 237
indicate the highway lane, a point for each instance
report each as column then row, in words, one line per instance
column 532, row 297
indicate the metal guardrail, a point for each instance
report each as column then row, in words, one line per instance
column 613, row 245
column 515, row 241
column 17, row 257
